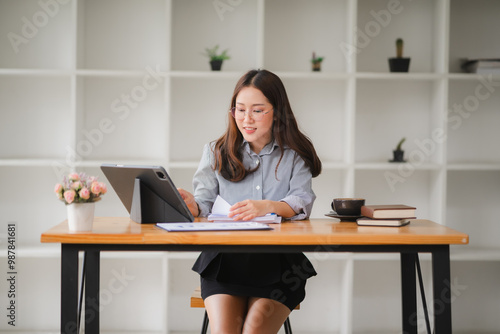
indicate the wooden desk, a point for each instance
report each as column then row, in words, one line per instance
column 316, row 235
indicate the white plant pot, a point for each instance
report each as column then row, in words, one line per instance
column 80, row 216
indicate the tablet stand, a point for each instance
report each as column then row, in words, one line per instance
column 147, row 207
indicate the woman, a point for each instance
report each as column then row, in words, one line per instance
column 262, row 164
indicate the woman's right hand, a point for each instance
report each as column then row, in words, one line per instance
column 190, row 201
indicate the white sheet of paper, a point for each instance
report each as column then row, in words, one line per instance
column 220, row 207
column 220, row 210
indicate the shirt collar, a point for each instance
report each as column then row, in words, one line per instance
column 268, row 149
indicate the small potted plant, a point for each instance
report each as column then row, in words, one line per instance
column 399, row 63
column 398, row 153
column 80, row 192
column 316, row 62
column 216, row 58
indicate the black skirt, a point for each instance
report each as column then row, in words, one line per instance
column 281, row 277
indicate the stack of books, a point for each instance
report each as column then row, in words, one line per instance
column 481, row 66
column 386, row 215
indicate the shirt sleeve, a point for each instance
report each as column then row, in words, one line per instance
column 205, row 183
column 300, row 197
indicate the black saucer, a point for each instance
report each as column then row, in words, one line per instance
column 342, row 218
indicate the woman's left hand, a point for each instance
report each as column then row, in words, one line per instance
column 190, row 201
column 248, row 209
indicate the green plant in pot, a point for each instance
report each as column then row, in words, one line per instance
column 216, row 58
column 398, row 153
column 316, row 62
column 399, row 63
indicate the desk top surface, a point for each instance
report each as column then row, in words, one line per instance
column 122, row 230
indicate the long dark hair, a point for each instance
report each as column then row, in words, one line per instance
column 228, row 157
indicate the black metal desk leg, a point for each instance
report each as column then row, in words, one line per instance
column 409, row 293
column 442, row 289
column 92, row 274
column 69, row 289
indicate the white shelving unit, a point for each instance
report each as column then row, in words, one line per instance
column 84, row 82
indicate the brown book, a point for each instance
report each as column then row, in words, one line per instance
column 388, row 211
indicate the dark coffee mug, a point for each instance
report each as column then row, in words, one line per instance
column 348, row 206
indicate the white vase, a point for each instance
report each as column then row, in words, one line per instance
column 80, row 216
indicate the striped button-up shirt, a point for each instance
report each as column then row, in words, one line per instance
column 291, row 184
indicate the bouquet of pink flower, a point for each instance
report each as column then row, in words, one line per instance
column 80, row 188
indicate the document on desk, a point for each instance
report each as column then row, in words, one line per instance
column 235, row 226
column 220, row 210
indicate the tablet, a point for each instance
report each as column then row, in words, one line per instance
column 148, row 193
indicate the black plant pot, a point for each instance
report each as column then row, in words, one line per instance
column 399, row 64
column 216, row 65
column 398, row 156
